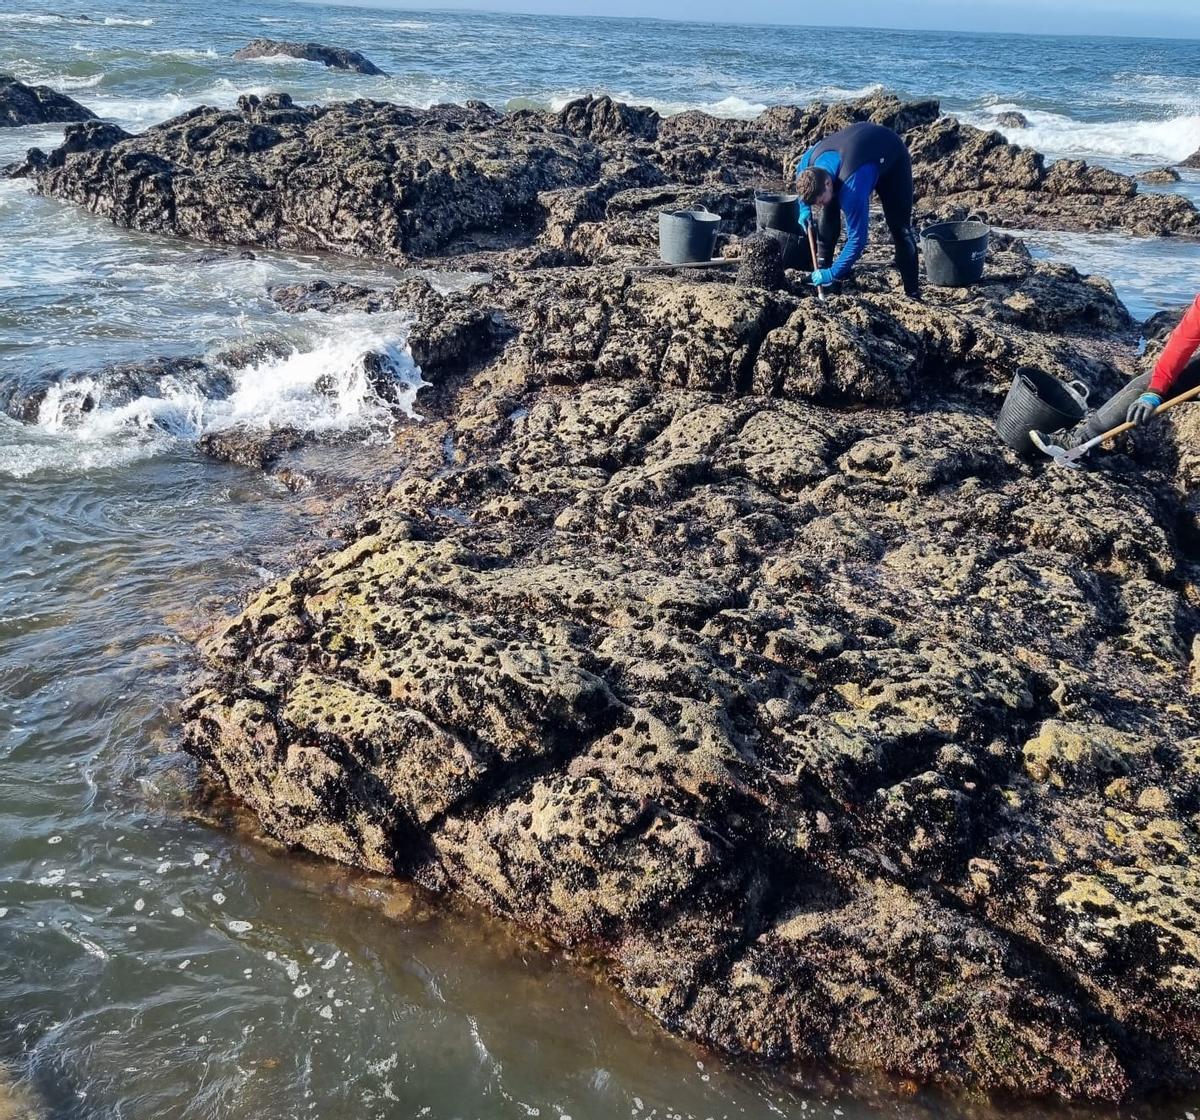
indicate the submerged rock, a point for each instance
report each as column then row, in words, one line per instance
column 24, row 105
column 1012, row 119
column 250, row 446
column 336, row 58
column 1158, row 175
column 713, row 628
column 71, row 395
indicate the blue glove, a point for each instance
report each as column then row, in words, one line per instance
column 1143, row 409
column 822, row 278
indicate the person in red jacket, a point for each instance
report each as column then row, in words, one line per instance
column 1137, row 402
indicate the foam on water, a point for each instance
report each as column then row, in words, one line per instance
column 322, row 387
column 1163, row 141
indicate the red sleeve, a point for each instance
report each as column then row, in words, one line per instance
column 1183, row 343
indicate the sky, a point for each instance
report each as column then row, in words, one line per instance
column 1171, row 18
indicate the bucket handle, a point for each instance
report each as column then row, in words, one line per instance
column 1082, row 390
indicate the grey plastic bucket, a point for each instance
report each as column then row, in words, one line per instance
column 687, row 236
column 1038, row 402
column 955, row 253
column 773, row 210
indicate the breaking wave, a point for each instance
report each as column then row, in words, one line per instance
column 355, row 378
column 1164, row 141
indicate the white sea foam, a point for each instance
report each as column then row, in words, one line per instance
column 186, row 52
column 284, row 60
column 123, row 21
column 1166, row 141
column 136, row 113
column 76, row 81
column 731, row 106
column 322, row 386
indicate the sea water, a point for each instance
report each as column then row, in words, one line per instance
column 157, row 958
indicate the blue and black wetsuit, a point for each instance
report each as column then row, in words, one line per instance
column 863, row 158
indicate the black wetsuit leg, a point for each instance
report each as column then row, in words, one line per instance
column 829, row 229
column 895, row 190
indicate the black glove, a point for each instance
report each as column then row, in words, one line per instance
column 1143, row 409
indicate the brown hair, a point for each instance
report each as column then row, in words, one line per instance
column 811, row 184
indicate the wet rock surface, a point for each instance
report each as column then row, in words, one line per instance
column 712, row 628
column 530, row 189
column 336, row 58
column 1012, row 119
column 21, row 104
column 1158, row 176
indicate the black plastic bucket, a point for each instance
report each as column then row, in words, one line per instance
column 955, row 253
column 773, row 210
column 687, row 236
column 1038, row 402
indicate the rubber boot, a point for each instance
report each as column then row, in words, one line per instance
column 1067, row 438
column 908, row 263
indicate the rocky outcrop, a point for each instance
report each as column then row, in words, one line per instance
column 535, row 189
column 1192, row 161
column 23, row 105
column 712, row 628
column 1012, row 119
column 336, row 58
column 361, row 177
column 1157, row 176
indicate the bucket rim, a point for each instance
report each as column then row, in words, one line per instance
column 1031, row 377
column 691, row 215
column 950, row 231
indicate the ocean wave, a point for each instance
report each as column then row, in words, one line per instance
column 76, row 81
column 731, row 106
column 186, row 52
column 406, row 25
column 1163, row 141
column 136, row 113
column 1179, row 91
column 36, row 18
column 355, row 377
column 284, row 60
column 46, row 18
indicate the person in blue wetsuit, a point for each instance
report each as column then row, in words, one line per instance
column 838, row 175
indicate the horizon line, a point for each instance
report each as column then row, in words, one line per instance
column 386, row 5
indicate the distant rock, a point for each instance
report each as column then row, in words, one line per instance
column 1193, row 160
column 1159, row 175
column 1012, row 119
column 22, row 105
column 336, row 58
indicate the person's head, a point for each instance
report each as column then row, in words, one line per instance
column 814, row 185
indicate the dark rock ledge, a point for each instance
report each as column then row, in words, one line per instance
column 379, row 180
